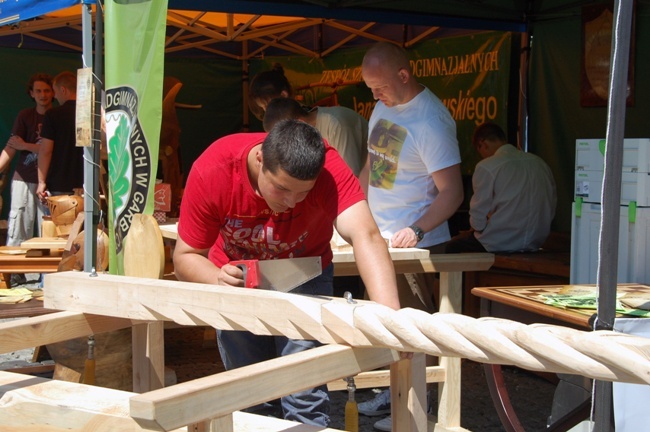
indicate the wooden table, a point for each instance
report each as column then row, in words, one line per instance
column 524, row 305
column 15, row 259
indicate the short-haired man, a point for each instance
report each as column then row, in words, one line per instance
column 60, row 161
column 26, row 209
column 259, row 196
column 412, row 175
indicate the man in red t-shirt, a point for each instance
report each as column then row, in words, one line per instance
column 258, row 196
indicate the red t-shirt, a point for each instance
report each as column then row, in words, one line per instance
column 221, row 211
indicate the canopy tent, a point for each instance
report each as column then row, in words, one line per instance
column 195, row 31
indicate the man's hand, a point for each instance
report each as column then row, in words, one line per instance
column 404, row 238
column 41, row 192
column 17, row 143
column 231, row 275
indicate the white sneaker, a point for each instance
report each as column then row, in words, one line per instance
column 380, row 405
column 385, row 424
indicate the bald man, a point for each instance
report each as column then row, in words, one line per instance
column 412, row 176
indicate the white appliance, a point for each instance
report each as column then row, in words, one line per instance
column 634, row 230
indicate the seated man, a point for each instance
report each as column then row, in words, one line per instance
column 514, row 198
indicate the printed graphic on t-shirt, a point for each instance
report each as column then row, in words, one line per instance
column 384, row 147
column 248, row 237
column 32, row 158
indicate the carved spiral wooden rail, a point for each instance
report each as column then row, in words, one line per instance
column 599, row 354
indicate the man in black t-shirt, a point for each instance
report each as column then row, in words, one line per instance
column 60, row 161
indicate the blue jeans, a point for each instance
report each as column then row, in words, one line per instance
column 242, row 348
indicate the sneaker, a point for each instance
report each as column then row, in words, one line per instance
column 385, row 424
column 380, row 405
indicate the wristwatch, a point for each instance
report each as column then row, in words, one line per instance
column 418, row 232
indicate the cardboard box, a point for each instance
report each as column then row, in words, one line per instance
column 163, row 197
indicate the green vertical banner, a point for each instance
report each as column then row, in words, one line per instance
column 135, row 37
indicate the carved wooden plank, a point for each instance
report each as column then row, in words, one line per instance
column 258, row 311
column 54, row 327
column 226, row 392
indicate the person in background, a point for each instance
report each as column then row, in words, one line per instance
column 60, row 161
column 412, row 175
column 343, row 128
column 26, row 211
column 514, row 198
column 277, row 195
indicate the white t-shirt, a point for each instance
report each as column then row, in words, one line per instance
column 347, row 132
column 406, row 144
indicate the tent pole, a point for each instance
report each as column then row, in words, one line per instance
column 245, row 84
column 611, row 197
column 90, row 179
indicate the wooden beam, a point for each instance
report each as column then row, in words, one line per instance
column 261, row 312
column 148, row 341
column 31, row 404
column 408, row 394
column 54, row 327
column 226, row 392
column 381, row 378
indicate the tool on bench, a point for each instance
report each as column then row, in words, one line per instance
column 279, row 274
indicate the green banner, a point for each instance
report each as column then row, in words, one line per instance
column 470, row 74
column 135, row 36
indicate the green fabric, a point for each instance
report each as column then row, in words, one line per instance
column 557, row 119
column 470, row 74
column 135, row 32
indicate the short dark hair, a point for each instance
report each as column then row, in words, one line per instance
column 66, row 79
column 295, row 147
column 265, row 86
column 281, row 109
column 489, row 131
column 38, row 77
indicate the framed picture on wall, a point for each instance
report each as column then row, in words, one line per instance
column 597, row 29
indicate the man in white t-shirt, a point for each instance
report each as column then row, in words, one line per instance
column 412, row 177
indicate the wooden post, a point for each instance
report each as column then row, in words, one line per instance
column 148, row 342
column 451, row 295
column 408, row 394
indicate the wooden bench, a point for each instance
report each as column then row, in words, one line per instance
column 548, row 266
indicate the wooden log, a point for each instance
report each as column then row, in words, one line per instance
column 194, row 401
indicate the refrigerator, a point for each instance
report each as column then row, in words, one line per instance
column 634, row 229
